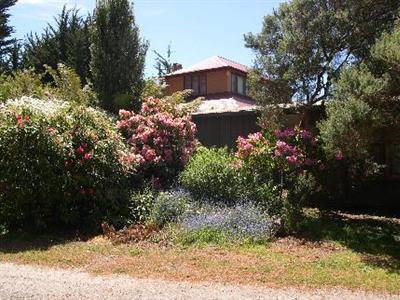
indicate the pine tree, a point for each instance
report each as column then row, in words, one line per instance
column 163, row 63
column 118, row 56
column 5, row 32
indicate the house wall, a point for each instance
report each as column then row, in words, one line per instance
column 218, row 81
column 174, row 84
column 222, row 130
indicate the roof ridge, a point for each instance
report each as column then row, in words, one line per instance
column 231, row 60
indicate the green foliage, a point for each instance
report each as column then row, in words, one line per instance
column 348, row 128
column 152, row 88
column 204, row 236
column 347, row 134
column 140, row 205
column 118, row 56
column 5, row 33
column 305, row 44
column 169, row 207
column 359, row 83
column 211, row 175
column 66, row 86
column 21, row 83
column 61, row 166
column 67, row 42
column 303, row 188
column 163, row 63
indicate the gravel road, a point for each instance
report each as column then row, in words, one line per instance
column 29, row 282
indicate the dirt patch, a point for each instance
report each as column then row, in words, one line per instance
column 131, row 234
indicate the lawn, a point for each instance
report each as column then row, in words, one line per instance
column 333, row 250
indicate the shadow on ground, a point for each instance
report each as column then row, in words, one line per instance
column 376, row 238
column 21, row 242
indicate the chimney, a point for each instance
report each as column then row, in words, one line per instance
column 176, row 67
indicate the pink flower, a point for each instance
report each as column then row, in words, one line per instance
column 339, row 155
column 277, row 153
column 125, row 114
column 87, row 156
column 20, row 120
column 292, row 159
column 51, row 130
column 306, row 135
column 149, row 154
column 80, row 150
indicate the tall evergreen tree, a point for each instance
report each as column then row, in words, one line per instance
column 304, row 45
column 5, row 33
column 66, row 42
column 118, row 56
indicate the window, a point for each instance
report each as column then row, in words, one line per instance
column 238, row 84
column 197, row 83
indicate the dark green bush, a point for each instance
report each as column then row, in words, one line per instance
column 211, row 175
column 61, row 166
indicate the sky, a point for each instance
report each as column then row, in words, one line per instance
column 196, row 29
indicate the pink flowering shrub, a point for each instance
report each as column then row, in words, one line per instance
column 161, row 138
column 285, row 151
column 284, row 159
column 62, row 166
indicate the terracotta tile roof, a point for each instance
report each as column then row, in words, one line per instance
column 215, row 62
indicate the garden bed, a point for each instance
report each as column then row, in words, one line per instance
column 339, row 250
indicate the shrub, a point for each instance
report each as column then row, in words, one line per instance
column 240, row 222
column 140, row 205
column 62, row 165
column 169, row 207
column 278, row 160
column 162, row 136
column 211, row 175
column 66, row 85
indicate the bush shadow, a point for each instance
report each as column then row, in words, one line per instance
column 377, row 238
column 17, row 242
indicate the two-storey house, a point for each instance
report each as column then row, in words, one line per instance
column 226, row 111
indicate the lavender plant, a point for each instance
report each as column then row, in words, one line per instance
column 242, row 221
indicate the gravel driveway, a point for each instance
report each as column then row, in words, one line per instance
column 29, row 282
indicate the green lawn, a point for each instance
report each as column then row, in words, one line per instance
column 342, row 250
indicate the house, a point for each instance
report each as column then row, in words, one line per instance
column 226, row 111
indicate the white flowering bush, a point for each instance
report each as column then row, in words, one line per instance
column 62, row 165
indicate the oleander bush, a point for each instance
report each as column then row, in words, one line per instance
column 62, row 166
column 161, row 137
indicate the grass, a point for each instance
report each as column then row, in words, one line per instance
column 333, row 250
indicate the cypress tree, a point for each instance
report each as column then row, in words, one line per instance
column 66, row 42
column 118, row 56
column 6, row 30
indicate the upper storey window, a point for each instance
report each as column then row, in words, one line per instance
column 197, row 83
column 238, row 84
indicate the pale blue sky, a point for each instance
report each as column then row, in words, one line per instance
column 197, row 29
